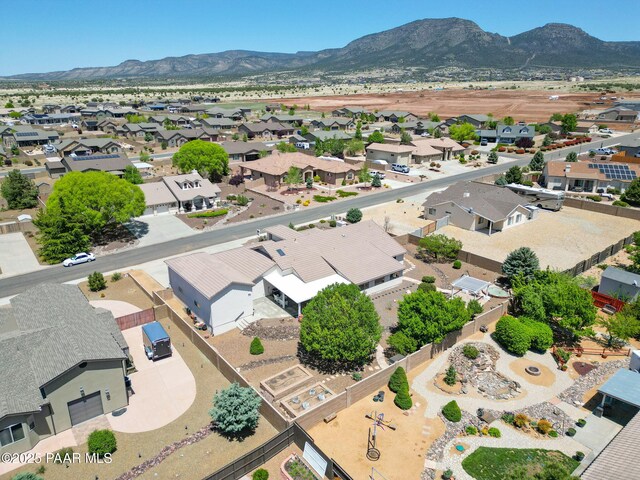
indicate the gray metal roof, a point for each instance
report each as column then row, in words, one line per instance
column 43, row 333
column 624, row 385
column 470, row 284
column 619, row 459
column 621, row 276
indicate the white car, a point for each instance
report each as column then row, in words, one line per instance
column 606, row 130
column 380, row 175
column 79, row 258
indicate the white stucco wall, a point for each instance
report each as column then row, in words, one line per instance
column 232, row 304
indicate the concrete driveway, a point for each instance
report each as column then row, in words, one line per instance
column 163, row 390
column 16, row 255
column 162, row 228
column 117, row 307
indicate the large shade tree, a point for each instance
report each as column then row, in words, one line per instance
column 462, row 132
column 19, row 191
column 236, row 410
column 340, row 325
column 207, row 158
column 521, row 261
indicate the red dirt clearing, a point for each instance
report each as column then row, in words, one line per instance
column 527, row 105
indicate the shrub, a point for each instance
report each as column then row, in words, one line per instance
column 428, row 279
column 403, row 399
column 451, row 411
column 357, row 376
column 544, row 426
column 62, row 453
column 553, row 434
column 322, row 199
column 447, row 474
column 540, row 335
column 470, row 352
column 579, row 456
column 513, row 335
column 242, row 200
column 354, row 215
column 571, row 432
column 256, row 347
column 26, row 476
column 474, row 307
column 41, row 469
column 457, row 264
column 343, row 194
column 494, row 432
column 620, row 203
column 209, row 214
column 260, row 474
column 595, row 198
column 508, row 418
column 398, row 380
column 520, row 420
column 427, row 287
column 451, row 376
column 471, row 430
column 102, row 442
column 116, row 276
column 235, row 409
column 402, row 343
column 97, row 282
column 563, row 355
column 332, row 223
column 439, row 247
column 306, row 203
column 581, row 423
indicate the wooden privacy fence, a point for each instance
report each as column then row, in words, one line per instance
column 598, row 258
column 138, row 318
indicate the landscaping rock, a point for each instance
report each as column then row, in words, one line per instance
column 574, row 394
column 274, row 329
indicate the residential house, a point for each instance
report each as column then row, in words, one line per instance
column 51, row 118
column 86, row 146
column 114, row 163
column 589, row 177
column 418, row 127
column 179, row 194
column 191, row 109
column 235, row 114
column 26, row 136
column 273, row 169
column 424, row 153
column 334, row 123
column 90, row 112
column 293, row 120
column 245, row 151
column 118, row 112
column 446, row 146
column 138, row 130
column 477, row 207
column 300, row 142
column 619, row 283
column 395, row 116
column 175, row 120
column 177, row 138
column 110, row 125
column 266, row 130
column 322, row 135
column 507, row 133
column 619, row 114
column 478, row 120
column 390, row 153
column 349, row 112
column 215, row 123
column 289, row 269
column 90, row 125
column 63, row 363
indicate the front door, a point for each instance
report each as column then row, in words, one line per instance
column 85, row 408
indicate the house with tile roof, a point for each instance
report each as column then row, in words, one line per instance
column 477, row 206
column 63, row 363
column 179, row 194
column 289, row 268
column 589, row 177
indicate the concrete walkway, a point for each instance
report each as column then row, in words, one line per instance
column 163, row 390
column 533, row 393
column 116, row 307
column 48, row 445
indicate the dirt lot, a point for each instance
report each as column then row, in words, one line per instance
column 560, row 239
column 528, row 105
column 125, row 290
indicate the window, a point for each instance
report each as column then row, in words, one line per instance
column 11, row 434
column 510, row 221
column 349, row 176
column 518, row 218
column 432, row 211
column 480, row 221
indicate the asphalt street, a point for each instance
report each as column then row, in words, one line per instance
column 16, row 284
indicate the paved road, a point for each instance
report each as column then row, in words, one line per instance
column 14, row 285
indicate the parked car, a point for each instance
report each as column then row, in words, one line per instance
column 79, row 258
column 380, row 175
column 605, row 130
column 398, row 167
column 484, row 142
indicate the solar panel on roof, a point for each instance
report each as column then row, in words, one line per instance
column 615, row 172
column 26, row 134
column 97, row 157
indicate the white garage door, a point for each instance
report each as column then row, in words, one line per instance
column 148, row 211
column 85, row 408
column 162, row 209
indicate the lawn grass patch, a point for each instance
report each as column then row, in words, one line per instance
column 323, row 199
column 343, row 194
column 209, row 214
column 497, row 463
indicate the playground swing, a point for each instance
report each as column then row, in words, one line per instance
column 373, row 453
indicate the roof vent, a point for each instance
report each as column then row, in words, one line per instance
column 194, row 172
column 466, row 194
column 567, row 168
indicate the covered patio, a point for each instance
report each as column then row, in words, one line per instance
column 291, row 293
column 467, row 286
column 620, row 394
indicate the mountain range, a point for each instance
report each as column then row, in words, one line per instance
column 427, row 44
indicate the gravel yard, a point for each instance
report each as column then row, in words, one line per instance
column 125, row 290
column 560, row 239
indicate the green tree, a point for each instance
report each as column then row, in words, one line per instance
column 451, row 376
column 9, row 104
column 521, row 262
column 632, row 193
column 358, row 134
column 403, row 399
column 286, row 147
column 428, row 316
column 436, row 133
column 19, row 191
column 260, row 474
column 376, row 137
column 354, row 146
column 405, row 138
column 209, row 159
column 256, row 347
column 514, row 175
column 508, row 121
column 546, row 141
column 493, row 158
column 148, row 137
column 571, row 157
column 293, row 178
column 513, row 335
column 15, row 115
column 433, row 117
column 462, row 132
column 556, row 117
column 236, row 410
column 537, row 162
column 163, row 145
column 375, row 181
column 354, row 215
column 398, row 380
column 440, row 247
column 569, row 123
column 304, row 130
column 340, row 324
column 132, row 175
column 96, row 282
column 364, row 176
column 622, row 326
column 402, row 343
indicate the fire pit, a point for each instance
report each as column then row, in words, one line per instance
column 531, row 370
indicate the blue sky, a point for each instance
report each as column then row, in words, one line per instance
column 47, row 35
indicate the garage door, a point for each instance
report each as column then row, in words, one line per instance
column 162, row 209
column 148, row 211
column 85, row 408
